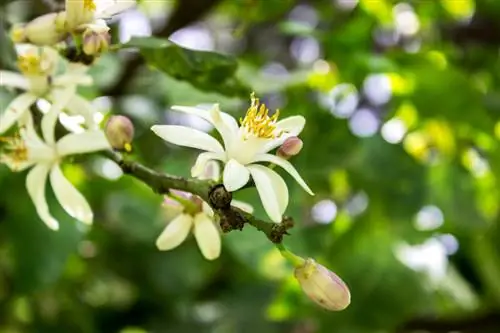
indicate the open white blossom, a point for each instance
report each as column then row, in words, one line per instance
column 39, row 78
column 196, row 215
column 82, row 12
column 244, row 146
column 45, row 155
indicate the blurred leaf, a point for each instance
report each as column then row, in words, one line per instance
column 205, row 70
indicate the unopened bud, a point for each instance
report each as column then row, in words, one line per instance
column 45, row 30
column 291, row 147
column 323, row 286
column 18, row 34
column 96, row 39
column 120, row 132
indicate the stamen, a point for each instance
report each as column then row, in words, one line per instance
column 14, row 150
column 89, row 5
column 257, row 121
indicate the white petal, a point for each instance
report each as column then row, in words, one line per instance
column 207, row 209
column 291, row 126
column 35, row 184
column 119, row 6
column 235, row 176
column 227, row 132
column 243, row 206
column 202, row 162
column 68, row 196
column 207, row 236
column 187, row 137
column 72, row 79
column 77, row 14
column 14, row 80
column 61, row 99
column 81, row 143
column 212, row 170
column 285, row 165
column 229, row 120
column 80, row 106
column 175, row 232
column 15, row 110
column 272, row 191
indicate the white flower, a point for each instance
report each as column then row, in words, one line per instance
column 28, row 149
column 81, row 12
column 195, row 215
column 244, row 146
column 38, row 66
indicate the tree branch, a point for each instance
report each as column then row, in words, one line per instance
column 231, row 218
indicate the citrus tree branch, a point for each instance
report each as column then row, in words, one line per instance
column 230, row 217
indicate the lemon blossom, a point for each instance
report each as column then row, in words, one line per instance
column 196, row 215
column 244, row 146
column 81, row 12
column 45, row 155
column 39, row 78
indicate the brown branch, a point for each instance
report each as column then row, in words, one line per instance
column 231, row 218
column 483, row 323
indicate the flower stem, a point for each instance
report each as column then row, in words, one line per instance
column 295, row 260
column 189, row 206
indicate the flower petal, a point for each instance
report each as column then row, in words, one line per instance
column 77, row 13
column 81, row 143
column 175, row 232
column 225, row 125
column 291, row 126
column 199, row 169
column 15, row 110
column 229, row 120
column 207, row 236
column 49, row 120
column 287, row 166
column 72, row 79
column 188, row 137
column 243, row 206
column 68, row 196
column 35, row 184
column 80, row 106
column 117, row 7
column 14, row 80
column 235, row 175
column 272, row 190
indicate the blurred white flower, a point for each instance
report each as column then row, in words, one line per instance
column 244, row 146
column 45, row 155
column 81, row 12
column 38, row 78
column 196, row 215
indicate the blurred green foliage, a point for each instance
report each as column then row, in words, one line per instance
column 401, row 147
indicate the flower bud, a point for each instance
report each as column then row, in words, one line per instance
column 18, row 34
column 96, row 39
column 120, row 132
column 45, row 29
column 323, row 286
column 291, row 147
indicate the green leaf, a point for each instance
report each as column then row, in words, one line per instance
column 208, row 71
column 8, row 54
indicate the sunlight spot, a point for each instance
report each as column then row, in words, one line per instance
column 405, row 19
column 342, row 100
column 305, row 49
column 393, row 131
column 357, row 204
column 346, row 4
column 429, row 218
column 324, row 211
column 364, row 123
column 377, row 88
column 72, row 123
column 450, row 243
column 304, row 14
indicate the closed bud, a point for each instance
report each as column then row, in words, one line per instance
column 47, row 29
column 322, row 286
column 291, row 147
column 96, row 39
column 120, row 132
column 18, row 34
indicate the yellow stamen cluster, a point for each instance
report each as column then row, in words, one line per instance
column 89, row 5
column 14, row 150
column 258, row 122
column 17, row 34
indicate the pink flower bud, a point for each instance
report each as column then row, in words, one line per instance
column 291, row 147
column 120, row 132
column 323, row 286
column 96, row 39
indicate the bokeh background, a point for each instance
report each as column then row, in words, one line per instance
column 401, row 146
